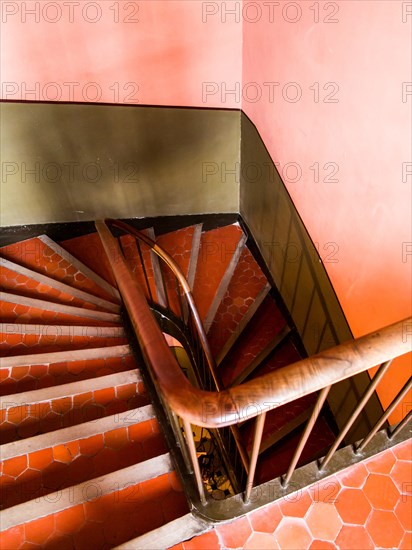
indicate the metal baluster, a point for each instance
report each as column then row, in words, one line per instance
column 386, row 414
column 260, row 422
column 305, row 436
column 371, row 388
column 195, row 463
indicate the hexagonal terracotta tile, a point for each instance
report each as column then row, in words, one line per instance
column 381, row 492
column 353, row 506
column 293, row 533
column 323, row 521
column 384, row 529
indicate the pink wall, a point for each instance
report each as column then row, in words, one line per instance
column 366, row 134
column 159, row 52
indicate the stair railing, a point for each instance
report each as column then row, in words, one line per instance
column 254, row 398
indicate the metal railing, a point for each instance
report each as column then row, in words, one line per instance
column 252, row 399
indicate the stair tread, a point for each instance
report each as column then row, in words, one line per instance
column 71, row 496
column 47, row 257
column 245, row 286
column 89, row 250
column 59, row 356
column 78, row 432
column 15, row 307
column 67, row 390
column 26, row 282
column 217, row 247
column 21, row 340
column 267, row 322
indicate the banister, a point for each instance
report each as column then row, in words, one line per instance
column 252, row 398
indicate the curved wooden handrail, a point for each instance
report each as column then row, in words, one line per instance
column 250, row 399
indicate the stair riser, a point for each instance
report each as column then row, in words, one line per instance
column 39, row 473
column 27, row 420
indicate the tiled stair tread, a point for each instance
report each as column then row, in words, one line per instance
column 43, row 255
column 222, row 289
column 246, row 319
column 34, row 377
column 89, row 250
column 81, row 267
column 261, row 360
column 67, row 390
column 36, row 285
column 245, row 286
column 184, row 528
column 286, row 354
column 179, row 245
column 127, row 439
column 260, row 331
column 49, row 338
column 76, row 433
column 58, row 357
column 60, row 308
column 79, row 494
column 217, row 248
column 275, row 461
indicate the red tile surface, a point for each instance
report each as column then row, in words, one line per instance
column 335, row 512
column 18, row 313
column 50, row 340
column 178, row 244
column 89, row 250
column 23, row 421
column 265, row 325
column 216, row 250
column 11, row 281
column 33, row 377
column 245, row 285
column 36, row 255
column 31, row 476
column 105, row 521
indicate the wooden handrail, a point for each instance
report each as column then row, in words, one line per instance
column 252, row 398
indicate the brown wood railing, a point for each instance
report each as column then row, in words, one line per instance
column 256, row 397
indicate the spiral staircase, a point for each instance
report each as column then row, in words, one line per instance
column 85, row 462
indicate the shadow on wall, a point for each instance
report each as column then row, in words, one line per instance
column 76, row 162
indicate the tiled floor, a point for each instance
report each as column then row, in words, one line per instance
column 368, row 505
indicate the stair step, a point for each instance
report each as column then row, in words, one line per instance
column 26, row 282
column 245, row 286
column 16, row 338
column 26, row 414
column 180, row 529
column 16, row 308
column 117, row 501
column 43, row 255
column 89, row 250
column 34, row 467
column 35, row 371
column 217, row 248
column 265, row 325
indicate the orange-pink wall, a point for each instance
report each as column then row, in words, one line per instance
column 360, row 124
column 148, row 52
